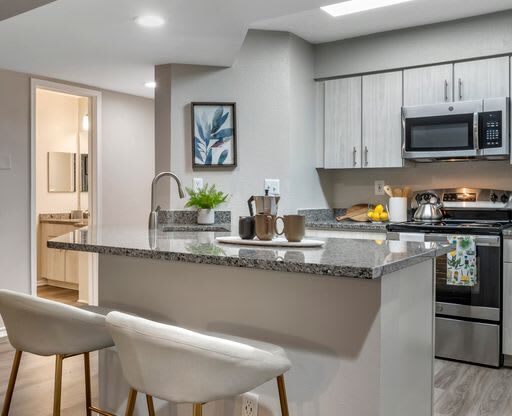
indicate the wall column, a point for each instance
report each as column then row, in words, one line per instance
column 163, row 131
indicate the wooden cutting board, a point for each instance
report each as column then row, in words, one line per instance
column 357, row 212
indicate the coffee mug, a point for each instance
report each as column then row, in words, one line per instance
column 294, row 227
column 264, row 226
column 246, row 229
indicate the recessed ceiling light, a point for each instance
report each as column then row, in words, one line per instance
column 356, row 6
column 150, row 84
column 150, row 21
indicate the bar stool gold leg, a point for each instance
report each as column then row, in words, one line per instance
column 87, row 369
column 151, row 405
column 12, row 382
column 130, row 406
column 198, row 409
column 57, row 393
column 282, row 395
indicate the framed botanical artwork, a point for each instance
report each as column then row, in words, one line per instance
column 213, row 135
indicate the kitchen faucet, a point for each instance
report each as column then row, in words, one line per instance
column 153, row 216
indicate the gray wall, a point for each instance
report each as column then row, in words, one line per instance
column 353, row 186
column 15, row 183
column 468, row 38
column 128, row 165
column 272, row 84
column 462, row 39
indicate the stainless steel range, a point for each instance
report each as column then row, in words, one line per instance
column 468, row 313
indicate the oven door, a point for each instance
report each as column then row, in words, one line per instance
column 481, row 301
column 443, row 131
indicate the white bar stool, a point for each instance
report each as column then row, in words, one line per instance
column 46, row 328
column 182, row 366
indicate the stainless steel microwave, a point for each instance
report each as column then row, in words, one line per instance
column 459, row 130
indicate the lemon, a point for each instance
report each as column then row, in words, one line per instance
column 379, row 208
column 370, row 214
column 384, row 216
column 376, row 216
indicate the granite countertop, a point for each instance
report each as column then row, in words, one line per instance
column 347, row 225
column 325, row 219
column 340, row 257
column 196, row 227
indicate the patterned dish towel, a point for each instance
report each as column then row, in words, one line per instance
column 461, row 262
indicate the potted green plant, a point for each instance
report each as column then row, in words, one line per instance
column 205, row 200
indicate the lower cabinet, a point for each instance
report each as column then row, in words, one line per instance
column 60, row 267
column 507, row 305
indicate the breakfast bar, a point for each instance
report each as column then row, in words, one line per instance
column 354, row 316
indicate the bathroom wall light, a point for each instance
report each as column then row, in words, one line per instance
column 150, row 21
column 85, row 122
column 356, row 6
column 150, row 84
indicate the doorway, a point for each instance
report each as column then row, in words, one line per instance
column 64, row 188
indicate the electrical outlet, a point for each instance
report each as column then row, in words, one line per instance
column 379, row 187
column 197, row 184
column 249, row 404
column 273, row 186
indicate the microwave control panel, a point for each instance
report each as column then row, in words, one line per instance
column 490, row 129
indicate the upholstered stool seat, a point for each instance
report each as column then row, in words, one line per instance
column 45, row 328
column 183, row 366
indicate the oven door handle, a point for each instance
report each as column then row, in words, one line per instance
column 476, row 139
column 480, row 240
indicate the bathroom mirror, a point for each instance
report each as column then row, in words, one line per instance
column 61, row 172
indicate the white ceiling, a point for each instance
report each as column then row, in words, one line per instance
column 96, row 42
column 316, row 26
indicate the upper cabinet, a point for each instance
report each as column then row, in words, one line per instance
column 342, row 147
column 428, row 85
column 485, row 78
column 382, row 116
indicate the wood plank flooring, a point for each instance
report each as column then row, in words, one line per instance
column 67, row 296
column 467, row 390
column 33, row 395
column 460, row 389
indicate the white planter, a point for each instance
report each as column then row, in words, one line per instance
column 205, row 216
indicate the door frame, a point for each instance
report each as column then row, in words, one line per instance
column 95, row 191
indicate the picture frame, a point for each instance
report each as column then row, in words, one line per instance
column 214, row 135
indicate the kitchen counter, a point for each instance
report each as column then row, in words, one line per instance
column 353, row 258
column 348, row 314
column 347, row 225
column 196, row 227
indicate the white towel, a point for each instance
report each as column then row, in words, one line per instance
column 461, row 262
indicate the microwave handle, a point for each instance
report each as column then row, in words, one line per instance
column 476, row 139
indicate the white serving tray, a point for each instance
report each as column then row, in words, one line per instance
column 276, row 242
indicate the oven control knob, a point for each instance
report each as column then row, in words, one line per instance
column 504, row 198
column 494, row 197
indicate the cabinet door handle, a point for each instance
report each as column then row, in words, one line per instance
column 460, row 89
column 446, row 90
column 354, row 153
column 366, row 155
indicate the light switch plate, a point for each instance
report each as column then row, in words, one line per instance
column 5, row 162
column 273, row 186
column 197, row 184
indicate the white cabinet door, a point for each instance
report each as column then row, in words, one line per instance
column 382, row 120
column 485, row 78
column 507, row 308
column 342, row 147
column 429, row 85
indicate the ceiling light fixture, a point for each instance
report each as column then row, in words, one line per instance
column 150, row 21
column 150, row 84
column 357, row 6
